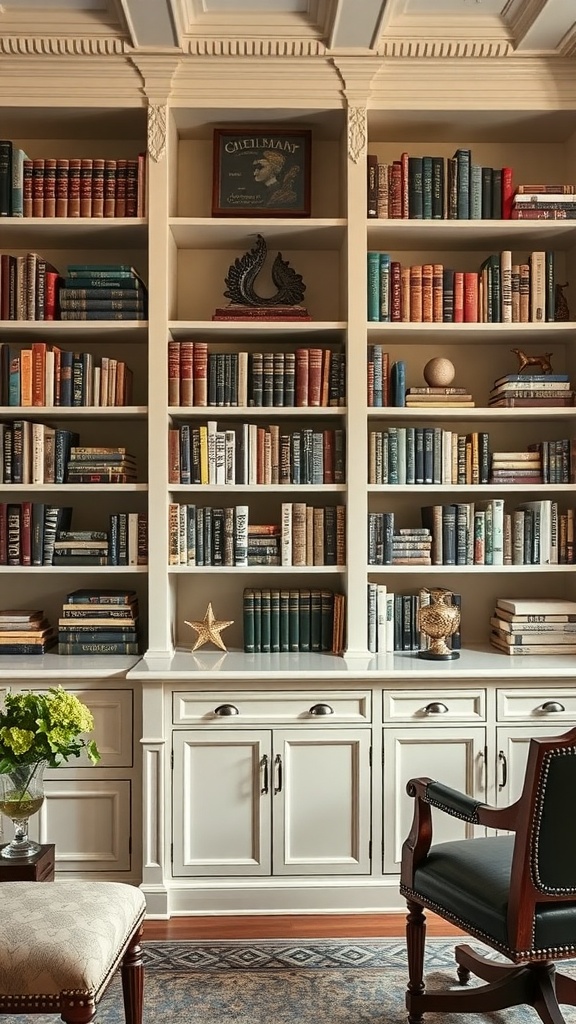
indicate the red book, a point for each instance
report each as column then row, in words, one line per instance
column 27, row 175
column 51, row 285
column 26, row 533
column 131, row 188
column 38, row 188
column 74, row 169
column 109, row 188
column 416, row 293
column 121, row 172
column 438, row 293
column 200, row 373
column 186, row 374
column 395, row 189
column 50, row 188
column 86, row 165
column 302, row 373
column 470, row 288
column 507, row 192
column 314, row 376
column 458, row 297
column 98, row 187
column 427, row 278
column 62, row 174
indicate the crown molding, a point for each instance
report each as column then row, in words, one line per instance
column 61, row 46
column 357, row 74
column 221, row 46
column 258, row 83
column 105, row 82
column 521, row 83
column 157, row 73
column 443, row 48
column 441, row 36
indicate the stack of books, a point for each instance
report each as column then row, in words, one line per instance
column 99, row 621
column 544, row 625
column 516, row 468
column 102, row 291
column 81, row 547
column 100, row 465
column 25, row 631
column 532, row 389
column 432, row 398
column 544, row 202
column 264, row 544
column 412, row 547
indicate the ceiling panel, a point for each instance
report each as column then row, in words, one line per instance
column 256, row 6
column 455, row 7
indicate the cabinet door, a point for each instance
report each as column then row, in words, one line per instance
column 221, row 816
column 511, row 757
column 321, row 802
column 88, row 820
column 455, row 757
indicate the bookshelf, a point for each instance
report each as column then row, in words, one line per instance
column 492, row 702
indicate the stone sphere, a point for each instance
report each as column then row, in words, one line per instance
column 439, row 372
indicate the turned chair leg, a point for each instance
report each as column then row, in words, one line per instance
column 415, row 944
column 132, row 974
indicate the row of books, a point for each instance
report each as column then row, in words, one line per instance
column 433, row 455
column 29, row 286
column 304, row 377
column 499, row 292
column 25, row 631
column 393, row 621
column 70, row 186
column 35, row 453
column 436, row 188
column 46, row 375
column 306, row 535
column 478, row 533
column 526, row 626
column 37, row 533
column 556, row 203
column 251, row 453
column 99, row 622
column 298, row 620
column 386, row 379
column 102, row 291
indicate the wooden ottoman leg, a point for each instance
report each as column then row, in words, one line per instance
column 132, row 972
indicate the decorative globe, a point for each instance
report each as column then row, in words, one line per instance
column 439, row 372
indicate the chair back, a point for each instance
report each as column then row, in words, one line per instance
column 544, row 859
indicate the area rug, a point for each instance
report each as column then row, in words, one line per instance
column 273, row 981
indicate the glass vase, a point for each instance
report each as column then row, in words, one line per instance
column 21, row 796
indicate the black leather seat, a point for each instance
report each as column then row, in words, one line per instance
column 516, row 893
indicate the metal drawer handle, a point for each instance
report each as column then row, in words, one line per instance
column 552, row 706
column 224, row 710
column 504, row 764
column 264, row 769
column 321, row 709
column 436, row 707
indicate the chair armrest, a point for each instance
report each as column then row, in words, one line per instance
column 460, row 805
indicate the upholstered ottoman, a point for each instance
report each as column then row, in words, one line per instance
column 62, row 942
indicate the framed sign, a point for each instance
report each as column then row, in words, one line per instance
column 261, row 172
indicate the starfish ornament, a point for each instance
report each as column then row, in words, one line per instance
column 209, row 630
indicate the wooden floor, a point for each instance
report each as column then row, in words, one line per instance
column 290, row 926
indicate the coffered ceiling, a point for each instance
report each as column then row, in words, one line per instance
column 397, row 28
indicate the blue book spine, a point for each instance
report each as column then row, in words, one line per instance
column 66, row 364
column 398, row 376
column 463, row 183
column 427, row 175
column 475, row 192
column 373, row 287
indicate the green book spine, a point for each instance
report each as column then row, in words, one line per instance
column 258, row 621
column 294, row 620
column 265, row 625
column 304, row 619
column 284, row 620
column 248, row 617
column 274, row 621
column 316, row 620
column 327, row 619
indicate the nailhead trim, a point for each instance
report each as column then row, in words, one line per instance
column 516, row 955
column 537, row 826
column 472, row 817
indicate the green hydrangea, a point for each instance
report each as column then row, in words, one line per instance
column 44, row 727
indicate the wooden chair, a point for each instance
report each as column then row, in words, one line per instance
column 61, row 944
column 516, row 893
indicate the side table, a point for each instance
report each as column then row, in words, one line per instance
column 37, row 868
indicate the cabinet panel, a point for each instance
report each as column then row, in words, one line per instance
column 512, row 755
column 455, row 757
column 321, row 813
column 220, row 823
column 89, row 821
column 113, row 722
column 432, row 706
column 555, row 707
column 308, row 706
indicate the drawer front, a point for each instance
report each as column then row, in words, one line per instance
column 308, row 706
column 433, row 707
column 542, row 704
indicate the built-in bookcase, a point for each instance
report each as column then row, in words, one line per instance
column 118, row 134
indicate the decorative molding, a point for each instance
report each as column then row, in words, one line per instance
column 233, row 47
column 157, row 73
column 357, row 133
column 444, row 48
column 357, row 74
column 59, row 46
column 289, row 83
column 157, row 131
column 521, row 16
